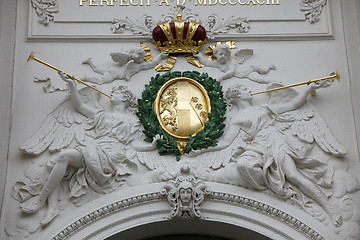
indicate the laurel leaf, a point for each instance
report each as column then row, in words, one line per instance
column 204, row 138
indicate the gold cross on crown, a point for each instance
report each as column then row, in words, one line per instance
column 179, row 9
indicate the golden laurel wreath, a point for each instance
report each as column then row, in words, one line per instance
column 151, row 110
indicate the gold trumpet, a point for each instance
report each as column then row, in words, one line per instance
column 336, row 76
column 32, row 57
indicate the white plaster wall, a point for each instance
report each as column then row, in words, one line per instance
column 351, row 20
column 296, row 61
column 7, row 49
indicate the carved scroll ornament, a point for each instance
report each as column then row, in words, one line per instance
column 213, row 24
column 45, row 10
column 312, row 9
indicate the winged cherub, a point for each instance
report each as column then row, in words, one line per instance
column 233, row 64
column 266, row 159
column 95, row 148
column 134, row 62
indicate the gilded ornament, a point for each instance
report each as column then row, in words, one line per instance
column 175, row 110
column 171, row 110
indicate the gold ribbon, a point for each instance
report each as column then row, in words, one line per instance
column 194, row 61
column 148, row 57
column 170, row 62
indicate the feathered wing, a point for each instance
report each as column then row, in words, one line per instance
column 214, row 160
column 61, row 127
column 243, row 55
column 120, row 57
column 306, row 124
column 309, row 126
column 153, row 161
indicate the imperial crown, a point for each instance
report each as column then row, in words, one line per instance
column 179, row 36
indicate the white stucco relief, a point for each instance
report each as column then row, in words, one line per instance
column 232, row 63
column 266, row 158
column 118, row 24
column 282, row 148
column 132, row 60
column 92, row 149
column 185, row 194
column 312, row 9
column 49, row 85
column 214, row 24
column 45, row 10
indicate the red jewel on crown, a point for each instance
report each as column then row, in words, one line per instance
column 179, row 36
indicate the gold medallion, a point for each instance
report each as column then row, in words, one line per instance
column 182, row 106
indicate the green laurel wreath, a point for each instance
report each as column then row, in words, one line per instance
column 205, row 138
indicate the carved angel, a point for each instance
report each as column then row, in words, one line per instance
column 94, row 148
column 266, row 159
column 134, row 61
column 232, row 64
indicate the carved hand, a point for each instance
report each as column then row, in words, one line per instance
column 154, row 141
column 194, row 153
column 66, row 78
column 272, row 67
column 164, row 55
column 199, row 56
column 320, row 84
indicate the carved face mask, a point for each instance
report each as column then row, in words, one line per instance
column 185, row 195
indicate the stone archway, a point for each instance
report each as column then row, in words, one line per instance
column 189, row 230
column 228, row 212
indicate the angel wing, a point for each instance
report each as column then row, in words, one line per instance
column 61, row 127
column 306, row 123
column 164, row 165
column 120, row 57
column 214, row 160
column 242, row 55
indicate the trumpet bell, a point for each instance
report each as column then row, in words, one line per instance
column 337, row 76
column 31, row 56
